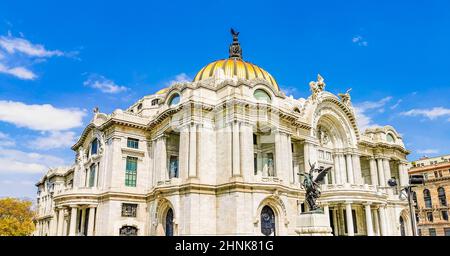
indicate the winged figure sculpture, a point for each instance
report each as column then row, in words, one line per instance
column 311, row 184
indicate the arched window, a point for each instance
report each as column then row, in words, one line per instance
column 128, row 231
column 174, row 100
column 390, row 138
column 169, row 222
column 267, row 221
column 262, row 95
column 427, row 198
column 402, row 226
column 442, row 197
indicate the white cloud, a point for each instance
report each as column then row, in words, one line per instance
column 55, row 139
column 103, row 84
column 5, row 140
column 359, row 40
column 427, row 151
column 16, row 161
column 40, row 117
column 180, row 78
column 429, row 113
column 16, row 53
column 289, row 90
column 19, row 72
column 13, row 45
column 361, row 109
column 396, row 104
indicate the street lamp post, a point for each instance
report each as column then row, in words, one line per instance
column 413, row 180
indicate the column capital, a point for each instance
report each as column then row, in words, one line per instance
column 367, row 203
column 348, row 202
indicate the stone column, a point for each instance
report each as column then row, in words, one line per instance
column 350, row 175
column 184, row 152
column 357, row 169
column 381, row 178
column 349, row 218
column 283, row 166
column 326, row 210
column 382, row 213
column 289, row 162
column 83, row 219
column 91, row 223
column 373, row 171
column 376, row 223
column 335, row 222
column 310, row 154
column 369, row 222
column 403, row 173
column 236, row 149
column 246, row 151
column 97, row 171
column 73, row 220
column 59, row 231
column 387, row 170
column 343, row 169
column 163, row 173
column 193, row 150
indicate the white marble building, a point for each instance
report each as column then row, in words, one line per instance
column 220, row 156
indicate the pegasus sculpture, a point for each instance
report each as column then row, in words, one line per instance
column 311, row 185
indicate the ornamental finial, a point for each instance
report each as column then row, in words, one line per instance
column 235, row 47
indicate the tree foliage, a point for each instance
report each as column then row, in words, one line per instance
column 16, row 217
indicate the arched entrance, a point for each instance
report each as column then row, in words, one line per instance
column 169, row 222
column 268, row 221
column 402, row 227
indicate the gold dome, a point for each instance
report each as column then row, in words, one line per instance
column 235, row 67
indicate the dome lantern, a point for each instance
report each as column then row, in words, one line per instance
column 235, row 67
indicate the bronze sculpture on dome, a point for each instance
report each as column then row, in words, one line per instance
column 235, row 47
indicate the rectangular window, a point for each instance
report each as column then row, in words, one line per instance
column 173, row 167
column 432, row 231
column 444, row 215
column 132, row 143
column 255, row 142
column 446, row 231
column 131, row 172
column 92, row 175
column 420, row 232
column 129, row 210
column 430, row 216
column 154, row 102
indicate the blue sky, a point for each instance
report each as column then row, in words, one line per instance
column 60, row 60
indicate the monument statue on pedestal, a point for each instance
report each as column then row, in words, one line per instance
column 313, row 222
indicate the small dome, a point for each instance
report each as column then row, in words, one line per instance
column 162, row 91
column 235, row 67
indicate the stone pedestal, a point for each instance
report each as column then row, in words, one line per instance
column 313, row 224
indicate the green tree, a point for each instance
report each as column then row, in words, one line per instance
column 16, row 217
